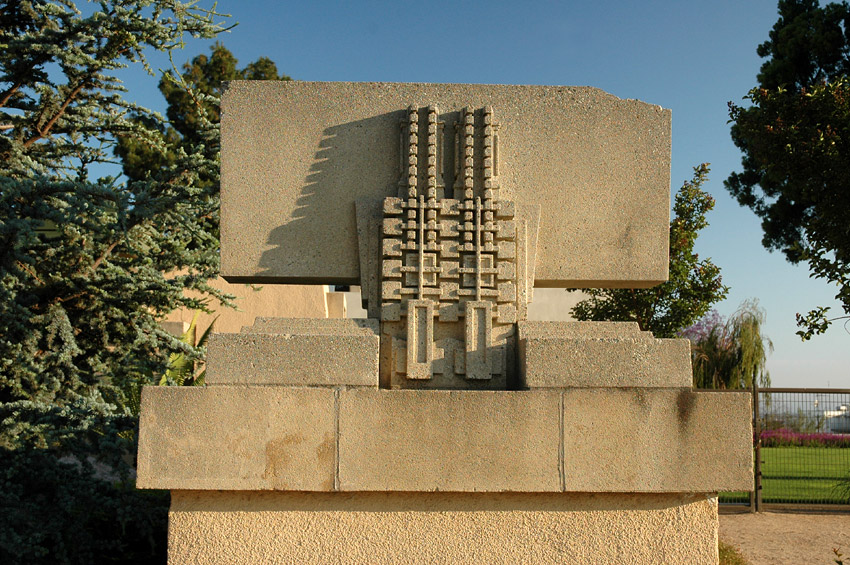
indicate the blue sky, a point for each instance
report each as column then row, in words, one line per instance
column 691, row 57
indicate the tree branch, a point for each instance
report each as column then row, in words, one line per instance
column 47, row 127
column 8, row 94
column 67, row 298
column 103, row 255
column 22, row 266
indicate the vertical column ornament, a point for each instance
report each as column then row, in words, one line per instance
column 449, row 276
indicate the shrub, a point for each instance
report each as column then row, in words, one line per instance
column 784, row 437
column 67, row 491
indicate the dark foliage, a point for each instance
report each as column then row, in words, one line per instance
column 795, row 137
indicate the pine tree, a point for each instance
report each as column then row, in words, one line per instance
column 85, row 259
column 192, row 98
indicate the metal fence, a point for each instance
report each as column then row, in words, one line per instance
column 801, row 449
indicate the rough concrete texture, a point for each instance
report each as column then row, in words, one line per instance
column 656, row 440
column 365, row 439
column 599, row 354
column 406, row 528
column 237, row 438
column 577, row 330
column 331, row 326
column 448, row 440
column 296, row 156
column 291, row 300
column 311, row 357
column 614, row 362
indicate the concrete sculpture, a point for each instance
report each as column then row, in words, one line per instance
column 454, row 259
column 330, row 441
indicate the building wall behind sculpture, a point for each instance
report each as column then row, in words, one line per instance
column 553, row 304
column 271, row 300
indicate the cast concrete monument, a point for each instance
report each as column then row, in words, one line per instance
column 446, row 427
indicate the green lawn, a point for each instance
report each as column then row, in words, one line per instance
column 801, row 474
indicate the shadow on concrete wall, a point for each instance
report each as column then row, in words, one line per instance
column 318, row 243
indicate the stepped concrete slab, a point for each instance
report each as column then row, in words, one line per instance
column 599, row 354
column 315, row 359
column 237, row 438
column 361, row 439
column 314, row 326
column 552, row 362
column 297, row 155
column 474, row 528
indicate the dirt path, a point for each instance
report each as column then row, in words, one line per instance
column 774, row 538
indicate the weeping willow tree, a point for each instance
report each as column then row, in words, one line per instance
column 730, row 354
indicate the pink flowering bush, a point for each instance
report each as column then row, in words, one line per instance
column 784, row 437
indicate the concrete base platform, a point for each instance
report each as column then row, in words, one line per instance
column 209, row 527
column 366, row 439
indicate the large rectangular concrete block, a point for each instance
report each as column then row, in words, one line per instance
column 417, row 440
column 656, row 440
column 297, row 155
column 599, row 354
column 361, row 439
column 308, row 359
column 207, row 528
column 237, row 438
column 623, row 362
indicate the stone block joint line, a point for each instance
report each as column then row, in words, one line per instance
column 336, row 439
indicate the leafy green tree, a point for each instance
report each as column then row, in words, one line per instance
column 808, row 44
column 730, row 354
column 795, row 139
column 85, row 263
column 694, row 284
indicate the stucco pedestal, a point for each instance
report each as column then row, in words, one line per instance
column 239, row 527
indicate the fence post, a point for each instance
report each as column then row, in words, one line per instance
column 756, row 497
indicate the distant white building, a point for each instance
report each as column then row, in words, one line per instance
column 837, row 421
